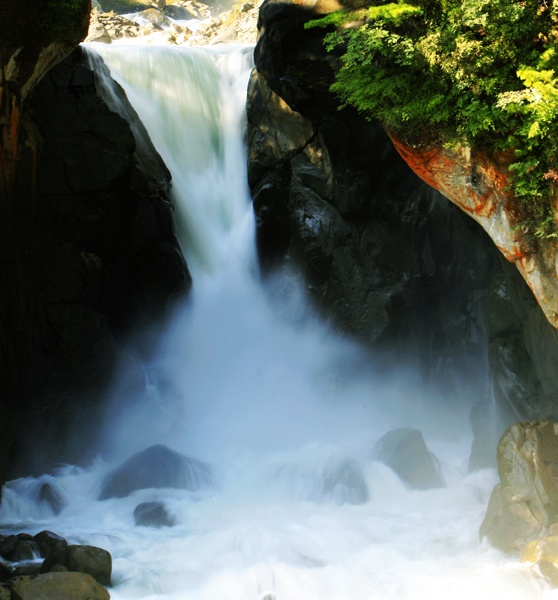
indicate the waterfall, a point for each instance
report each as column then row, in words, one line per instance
column 193, row 110
column 284, row 412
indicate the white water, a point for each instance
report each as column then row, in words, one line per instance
column 276, row 403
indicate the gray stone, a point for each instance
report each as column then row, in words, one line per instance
column 156, row 467
column 153, row 514
column 404, row 451
column 344, row 484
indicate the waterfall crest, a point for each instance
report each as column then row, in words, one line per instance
column 192, row 104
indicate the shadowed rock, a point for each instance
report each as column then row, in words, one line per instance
column 48, row 543
column 404, row 451
column 344, row 484
column 153, row 514
column 91, row 560
column 48, row 494
column 156, row 467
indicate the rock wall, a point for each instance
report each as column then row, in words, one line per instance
column 480, row 185
column 102, row 266
column 27, row 51
column 387, row 259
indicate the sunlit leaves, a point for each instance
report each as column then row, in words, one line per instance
column 477, row 71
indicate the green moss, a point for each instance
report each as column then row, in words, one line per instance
column 482, row 72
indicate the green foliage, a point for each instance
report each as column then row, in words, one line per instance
column 483, row 72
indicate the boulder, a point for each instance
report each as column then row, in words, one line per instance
column 543, row 553
column 49, row 542
column 57, row 586
column 25, row 550
column 49, row 495
column 16, row 548
column 156, row 467
column 27, row 568
column 525, row 502
column 91, row 560
column 344, row 483
column 153, row 514
column 405, row 451
column 8, row 545
column 6, row 572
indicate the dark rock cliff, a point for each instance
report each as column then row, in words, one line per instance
column 387, row 258
column 102, row 266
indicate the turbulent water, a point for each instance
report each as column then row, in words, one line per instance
column 285, row 413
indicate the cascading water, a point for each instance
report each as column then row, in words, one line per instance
column 286, row 413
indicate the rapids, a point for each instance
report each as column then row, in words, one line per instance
column 250, row 381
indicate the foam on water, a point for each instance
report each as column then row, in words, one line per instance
column 285, row 411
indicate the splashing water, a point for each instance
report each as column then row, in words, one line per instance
column 286, row 413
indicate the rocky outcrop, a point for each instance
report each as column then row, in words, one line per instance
column 90, row 263
column 480, row 185
column 31, row 41
column 387, row 258
column 525, row 504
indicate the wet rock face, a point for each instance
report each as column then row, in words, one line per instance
column 525, row 503
column 27, row 51
column 388, row 259
column 479, row 184
column 103, row 270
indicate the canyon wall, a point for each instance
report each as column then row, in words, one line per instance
column 387, row 258
column 89, row 264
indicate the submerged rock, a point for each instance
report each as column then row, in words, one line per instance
column 51, row 496
column 525, row 503
column 344, row 484
column 405, row 451
column 153, row 514
column 156, row 467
